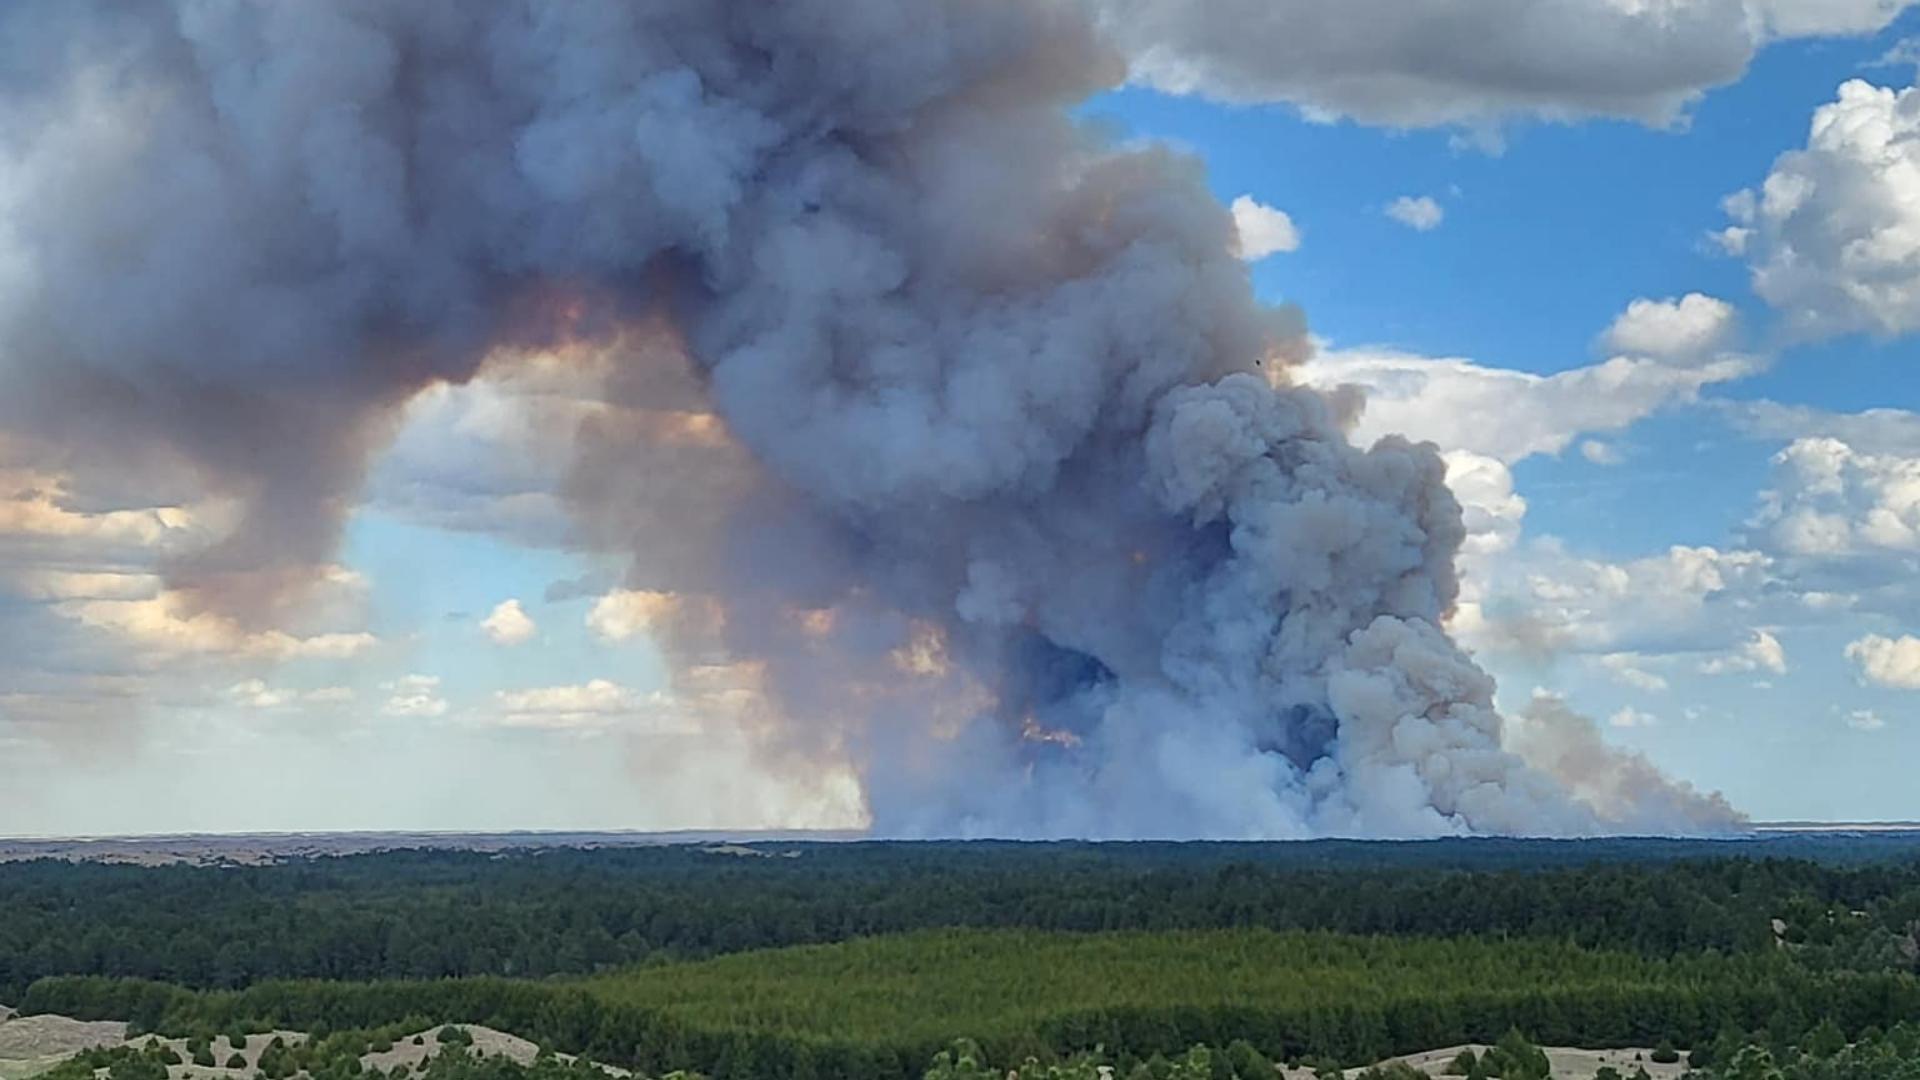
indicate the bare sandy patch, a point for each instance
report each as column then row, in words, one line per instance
column 30, row 1045
column 1569, row 1063
column 41, row 1036
column 486, row 1043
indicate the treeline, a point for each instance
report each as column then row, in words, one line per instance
column 1823, row 1053
column 1308, row 998
column 540, row 913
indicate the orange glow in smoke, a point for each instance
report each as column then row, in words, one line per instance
column 925, row 653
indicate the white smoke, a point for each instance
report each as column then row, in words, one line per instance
column 955, row 434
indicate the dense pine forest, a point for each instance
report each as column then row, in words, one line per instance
column 810, row 961
column 1848, row 902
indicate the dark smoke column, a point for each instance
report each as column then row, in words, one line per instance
column 1013, row 508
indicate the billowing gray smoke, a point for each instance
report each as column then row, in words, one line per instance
column 1007, row 501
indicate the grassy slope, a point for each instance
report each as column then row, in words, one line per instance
column 939, row 984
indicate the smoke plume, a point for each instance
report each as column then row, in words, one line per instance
column 948, row 439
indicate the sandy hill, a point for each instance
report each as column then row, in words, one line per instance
column 33, row 1044
column 1569, row 1063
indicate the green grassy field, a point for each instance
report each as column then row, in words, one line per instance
column 934, row 985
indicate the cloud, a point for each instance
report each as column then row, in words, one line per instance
column 1490, row 509
column 1262, row 230
column 1832, row 236
column 1833, row 538
column 1536, row 598
column 58, row 520
column 1683, row 330
column 627, row 613
column 1626, row 669
column 1873, row 431
column 1466, row 62
column 165, row 627
column 36, row 509
column 1890, row 662
column 94, row 634
column 87, row 584
column 1421, row 214
column 509, row 624
column 1865, row 720
column 1761, row 653
column 1902, row 53
column 1805, row 18
column 415, row 696
column 1545, row 600
column 1841, row 513
column 66, row 546
column 258, row 694
column 491, row 455
column 1447, row 400
column 1829, row 500
column 1630, row 717
column 593, row 706
column 1600, row 453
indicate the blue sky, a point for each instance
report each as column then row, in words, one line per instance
column 1696, row 535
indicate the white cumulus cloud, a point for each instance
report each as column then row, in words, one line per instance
column 1420, row 213
column 1833, row 233
column 1631, row 717
column 1627, row 669
column 1263, row 230
column 1762, row 652
column 626, row 613
column 509, row 624
column 1830, row 500
column 1888, row 662
column 1449, row 401
column 1692, row 327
